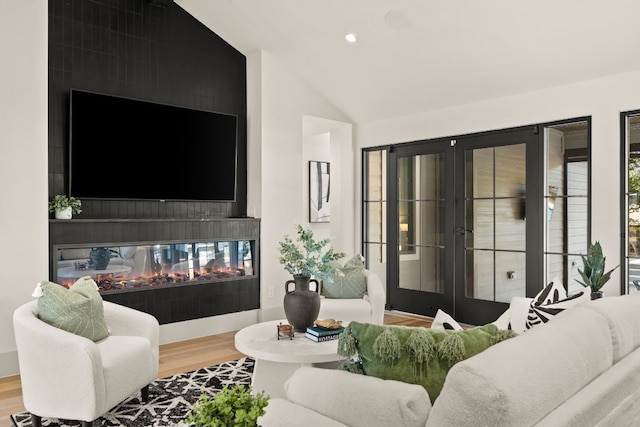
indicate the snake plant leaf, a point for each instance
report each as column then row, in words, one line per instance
column 593, row 275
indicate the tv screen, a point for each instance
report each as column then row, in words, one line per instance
column 130, row 149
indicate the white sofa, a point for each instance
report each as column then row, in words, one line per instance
column 369, row 309
column 579, row 369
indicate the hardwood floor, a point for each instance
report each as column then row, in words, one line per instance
column 180, row 357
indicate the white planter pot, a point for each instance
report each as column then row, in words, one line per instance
column 64, row 214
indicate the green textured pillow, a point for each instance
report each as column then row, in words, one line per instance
column 352, row 284
column 413, row 355
column 77, row 310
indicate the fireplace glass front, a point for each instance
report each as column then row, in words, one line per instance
column 117, row 268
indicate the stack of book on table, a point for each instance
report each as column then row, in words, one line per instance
column 318, row 334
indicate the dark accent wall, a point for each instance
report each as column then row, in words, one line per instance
column 134, row 49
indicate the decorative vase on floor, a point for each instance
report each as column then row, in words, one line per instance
column 99, row 258
column 302, row 304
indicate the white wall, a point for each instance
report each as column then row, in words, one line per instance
column 285, row 101
column 24, row 227
column 331, row 141
column 602, row 99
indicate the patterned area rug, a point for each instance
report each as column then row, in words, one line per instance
column 170, row 399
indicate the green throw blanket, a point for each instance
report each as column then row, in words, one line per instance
column 413, row 355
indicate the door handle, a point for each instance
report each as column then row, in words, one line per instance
column 460, row 231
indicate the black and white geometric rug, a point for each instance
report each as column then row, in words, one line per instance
column 170, row 399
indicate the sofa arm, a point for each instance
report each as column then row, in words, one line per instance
column 359, row 400
column 377, row 297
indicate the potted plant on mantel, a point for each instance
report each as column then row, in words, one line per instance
column 64, row 207
column 593, row 275
column 309, row 261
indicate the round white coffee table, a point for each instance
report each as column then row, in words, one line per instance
column 277, row 359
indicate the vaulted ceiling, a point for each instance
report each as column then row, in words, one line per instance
column 419, row 55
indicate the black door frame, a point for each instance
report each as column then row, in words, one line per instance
column 534, row 214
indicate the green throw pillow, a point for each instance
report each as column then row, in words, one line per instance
column 77, row 310
column 413, row 355
column 352, row 284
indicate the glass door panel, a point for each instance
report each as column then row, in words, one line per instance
column 491, row 228
column 631, row 246
column 495, row 227
column 421, row 221
column 375, row 212
column 566, row 202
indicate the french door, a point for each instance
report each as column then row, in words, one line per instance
column 461, row 224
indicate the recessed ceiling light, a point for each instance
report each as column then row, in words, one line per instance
column 350, row 37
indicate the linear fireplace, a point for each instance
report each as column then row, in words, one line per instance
column 175, row 270
column 123, row 268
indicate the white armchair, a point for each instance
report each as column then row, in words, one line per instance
column 369, row 309
column 67, row 376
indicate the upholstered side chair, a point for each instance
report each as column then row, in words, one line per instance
column 368, row 309
column 67, row 376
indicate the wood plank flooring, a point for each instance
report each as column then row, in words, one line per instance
column 180, row 357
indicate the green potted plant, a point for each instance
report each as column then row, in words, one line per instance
column 593, row 275
column 233, row 406
column 64, row 206
column 308, row 257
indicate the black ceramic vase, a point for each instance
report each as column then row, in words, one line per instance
column 302, row 304
column 99, row 258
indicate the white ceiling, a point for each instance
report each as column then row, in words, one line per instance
column 419, row 55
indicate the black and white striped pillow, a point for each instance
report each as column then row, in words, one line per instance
column 552, row 300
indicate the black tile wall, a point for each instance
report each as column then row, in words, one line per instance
column 133, row 49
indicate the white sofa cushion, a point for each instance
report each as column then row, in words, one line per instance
column 623, row 316
column 609, row 400
column 358, row 400
column 481, row 391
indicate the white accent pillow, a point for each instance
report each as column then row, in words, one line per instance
column 503, row 321
column 443, row 321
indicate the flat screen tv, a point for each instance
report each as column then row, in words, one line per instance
column 129, row 149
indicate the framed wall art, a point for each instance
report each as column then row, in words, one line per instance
column 319, row 191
